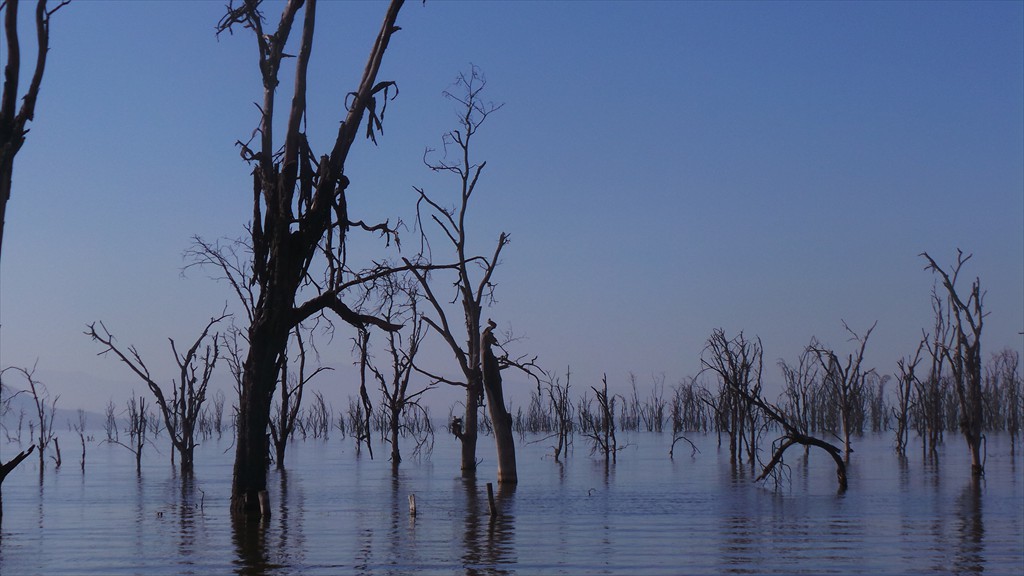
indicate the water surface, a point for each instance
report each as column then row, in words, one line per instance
column 336, row 512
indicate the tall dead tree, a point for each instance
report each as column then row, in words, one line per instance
column 399, row 303
column 187, row 393
column 9, row 465
column 46, row 408
column 501, row 419
column 738, row 364
column 299, row 216
column 963, row 353
column 473, row 274
column 930, row 405
column 847, row 383
column 906, row 381
column 12, row 124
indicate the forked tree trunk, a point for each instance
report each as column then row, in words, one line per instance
column 289, row 231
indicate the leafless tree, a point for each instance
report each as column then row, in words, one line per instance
column 399, row 301
column 906, row 383
column 688, row 412
column 963, row 353
column 188, row 392
column 46, row 407
column 600, row 428
column 292, row 387
column 7, row 395
column 80, row 429
column 299, row 217
column 930, row 394
column 137, row 429
column 473, row 274
column 792, row 435
column 847, row 383
column 110, row 421
column 801, row 389
column 1004, row 373
column 7, row 467
column 557, row 392
column 737, row 363
column 218, row 413
column 13, row 124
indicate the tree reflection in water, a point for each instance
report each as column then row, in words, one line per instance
column 489, row 541
column 970, row 551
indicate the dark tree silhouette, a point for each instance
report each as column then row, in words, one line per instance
column 12, row 124
column 737, row 363
column 846, row 382
column 182, row 410
column 299, row 216
column 963, row 352
column 399, row 301
column 473, row 278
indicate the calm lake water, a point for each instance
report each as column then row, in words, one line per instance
column 338, row 513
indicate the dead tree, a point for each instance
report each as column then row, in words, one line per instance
column 963, row 353
column 501, row 420
column 299, row 219
column 399, row 301
column 46, row 407
column 792, row 434
column 847, row 383
column 1004, row 374
column 12, row 124
column 561, row 407
column 188, row 392
column 930, row 404
column 802, row 388
column 292, row 386
column 79, row 427
column 906, row 382
column 474, row 290
column 7, row 467
column 738, row 364
column 137, row 429
column 600, row 428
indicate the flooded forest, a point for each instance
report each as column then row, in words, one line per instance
column 236, row 460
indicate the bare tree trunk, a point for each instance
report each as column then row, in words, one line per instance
column 183, row 409
column 963, row 352
column 501, row 419
column 259, row 379
column 470, row 429
column 299, row 214
column 12, row 125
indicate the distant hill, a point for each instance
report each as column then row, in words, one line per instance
column 19, row 405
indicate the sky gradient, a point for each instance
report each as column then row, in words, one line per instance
column 663, row 169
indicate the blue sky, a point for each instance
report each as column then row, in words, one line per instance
column 663, row 169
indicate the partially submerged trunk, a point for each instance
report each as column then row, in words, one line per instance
column 470, row 427
column 500, row 418
column 299, row 215
column 7, row 468
column 963, row 352
column 259, row 380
